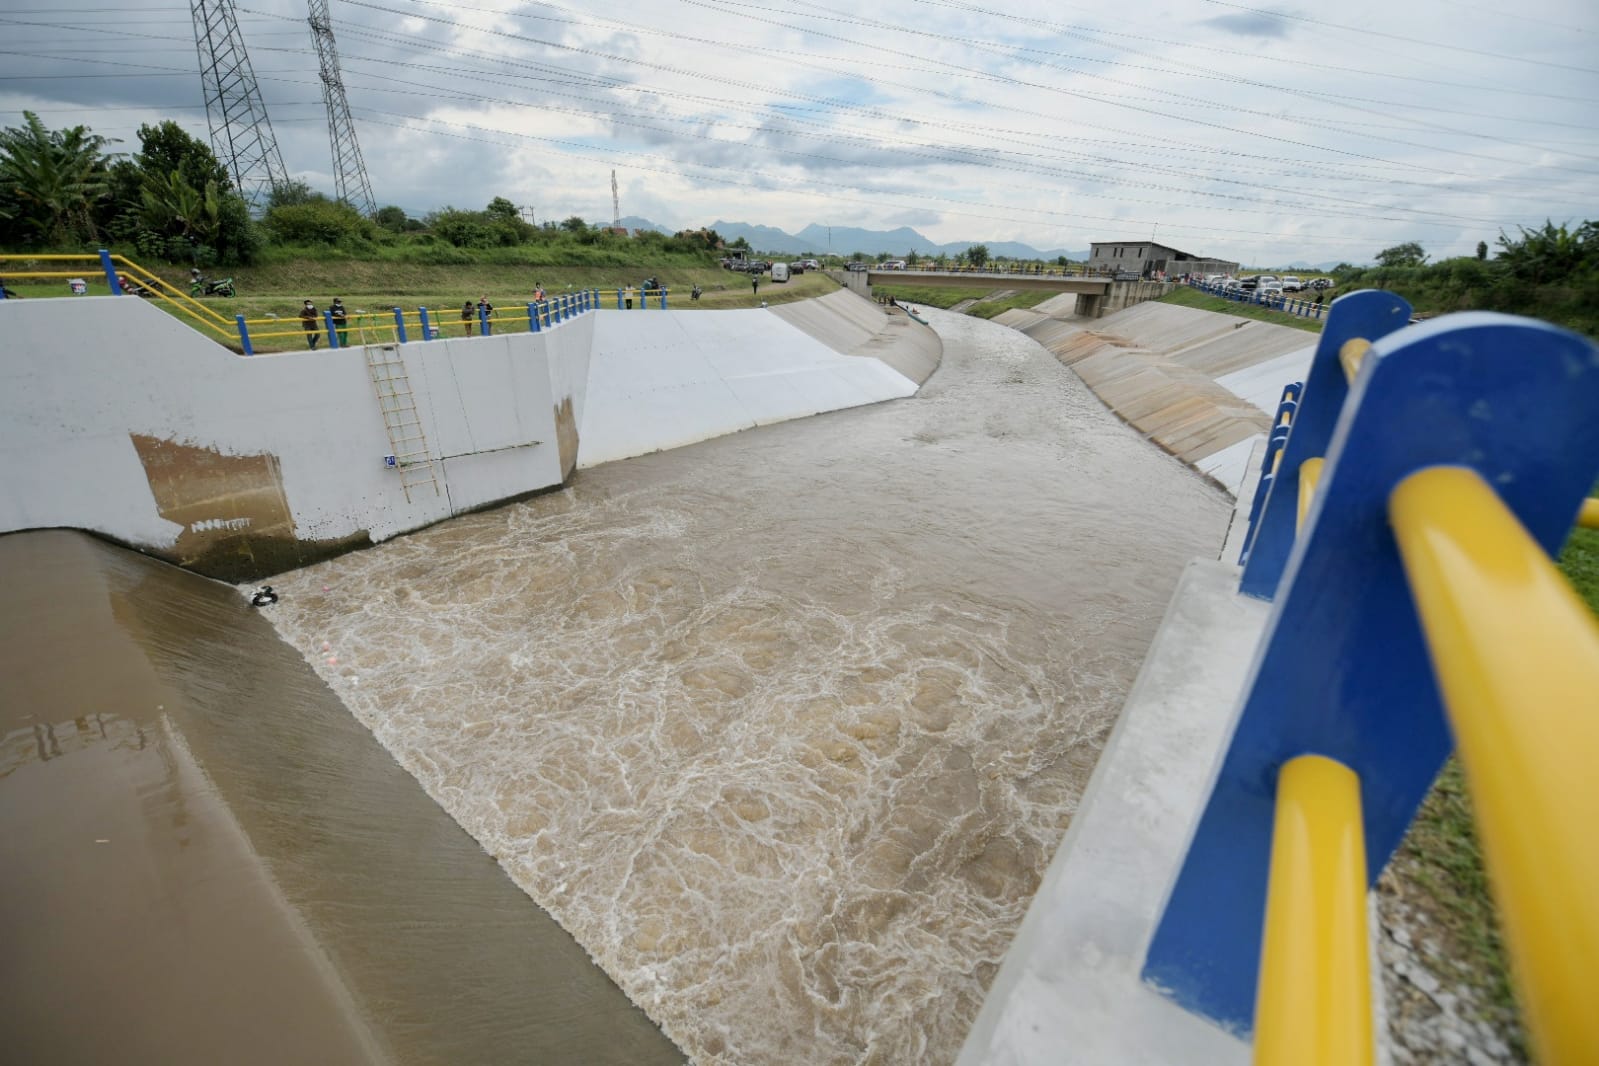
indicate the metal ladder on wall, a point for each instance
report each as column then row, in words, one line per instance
column 410, row 445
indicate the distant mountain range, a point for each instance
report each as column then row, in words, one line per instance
column 847, row 240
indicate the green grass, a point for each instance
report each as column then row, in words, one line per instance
column 994, row 308
column 279, row 288
column 1184, row 296
column 931, row 295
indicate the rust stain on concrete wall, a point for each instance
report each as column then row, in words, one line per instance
column 233, row 510
column 566, row 437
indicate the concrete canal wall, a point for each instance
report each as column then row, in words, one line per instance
column 1201, row 385
column 118, row 419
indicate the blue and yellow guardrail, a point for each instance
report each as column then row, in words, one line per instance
column 391, row 326
column 1429, row 475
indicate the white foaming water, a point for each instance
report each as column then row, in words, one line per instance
column 785, row 727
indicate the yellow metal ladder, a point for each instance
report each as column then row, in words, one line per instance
column 393, row 388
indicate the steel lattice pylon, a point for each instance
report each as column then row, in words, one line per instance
column 241, row 133
column 349, row 172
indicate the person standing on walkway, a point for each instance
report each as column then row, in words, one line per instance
column 468, row 312
column 485, row 313
column 308, row 322
column 755, row 284
column 340, row 322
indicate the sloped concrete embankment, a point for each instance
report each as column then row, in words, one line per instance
column 1201, row 385
column 664, row 379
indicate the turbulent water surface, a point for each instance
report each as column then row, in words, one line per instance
column 784, row 727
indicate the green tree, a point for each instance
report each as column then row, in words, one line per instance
column 911, row 258
column 168, row 149
column 1553, row 253
column 292, row 193
column 977, row 255
column 1482, row 250
column 391, row 218
column 1408, row 254
column 502, row 209
column 575, row 224
column 52, row 180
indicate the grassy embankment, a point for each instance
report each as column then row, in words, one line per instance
column 939, row 296
column 1183, row 296
column 279, row 285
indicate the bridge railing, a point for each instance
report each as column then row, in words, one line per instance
column 1429, row 474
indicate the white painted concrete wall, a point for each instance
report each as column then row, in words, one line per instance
column 76, row 380
column 663, row 379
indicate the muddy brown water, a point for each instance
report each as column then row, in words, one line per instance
column 204, row 859
column 783, row 728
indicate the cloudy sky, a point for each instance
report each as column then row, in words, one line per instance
column 1252, row 131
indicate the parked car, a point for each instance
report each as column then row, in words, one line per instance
column 811, row 264
column 856, row 264
column 779, row 272
column 797, row 267
column 1320, row 284
column 1292, row 284
column 1269, row 287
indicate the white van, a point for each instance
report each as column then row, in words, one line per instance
column 779, row 271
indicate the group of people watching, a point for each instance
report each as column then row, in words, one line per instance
column 309, row 321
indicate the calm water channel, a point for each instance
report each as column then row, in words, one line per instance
column 783, row 728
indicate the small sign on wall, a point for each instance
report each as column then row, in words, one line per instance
column 390, row 461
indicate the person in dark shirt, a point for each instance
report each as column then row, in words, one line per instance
column 313, row 332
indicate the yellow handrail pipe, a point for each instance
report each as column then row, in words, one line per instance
column 1313, row 1004
column 1351, row 355
column 1516, row 653
column 1309, row 478
column 1588, row 517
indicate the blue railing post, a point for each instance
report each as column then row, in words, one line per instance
column 427, row 327
column 619, row 299
column 333, row 334
column 244, row 335
column 1343, row 669
column 1368, row 314
column 532, row 318
column 1280, row 428
column 110, row 272
column 399, row 324
column 663, row 297
column 483, row 320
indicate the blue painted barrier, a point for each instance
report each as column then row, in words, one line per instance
column 1343, row 670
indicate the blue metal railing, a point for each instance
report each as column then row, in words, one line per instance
column 1343, row 669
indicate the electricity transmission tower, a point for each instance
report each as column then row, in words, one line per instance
column 241, row 133
column 349, row 172
column 616, row 205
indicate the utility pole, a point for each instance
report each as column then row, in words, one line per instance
column 350, row 182
column 616, row 204
column 241, row 133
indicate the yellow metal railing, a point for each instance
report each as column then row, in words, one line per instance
column 1313, row 1007
column 1516, row 653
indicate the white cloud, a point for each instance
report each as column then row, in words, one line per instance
column 1242, row 130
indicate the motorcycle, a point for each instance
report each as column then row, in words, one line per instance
column 200, row 285
column 694, row 293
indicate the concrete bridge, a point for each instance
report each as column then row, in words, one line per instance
column 1095, row 295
